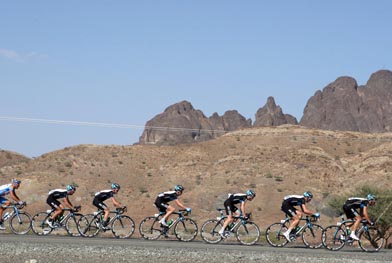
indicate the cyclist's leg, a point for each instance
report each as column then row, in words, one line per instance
column 295, row 215
column 162, row 208
column 4, row 202
column 230, row 211
column 55, row 204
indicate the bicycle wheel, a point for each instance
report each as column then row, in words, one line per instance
column 186, row 230
column 371, row 240
column 39, row 225
column 313, row 236
column 334, row 238
column 248, row 233
column 88, row 225
column 209, row 231
column 274, row 235
column 150, row 228
column 123, row 227
column 71, row 225
column 20, row 224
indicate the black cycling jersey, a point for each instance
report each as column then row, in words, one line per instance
column 294, row 200
column 58, row 193
column 356, row 202
column 103, row 195
column 168, row 196
column 237, row 198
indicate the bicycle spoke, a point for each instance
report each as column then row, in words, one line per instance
column 274, row 235
column 248, row 233
column 371, row 240
column 150, row 228
column 334, row 237
column 186, row 230
column 123, row 227
column 20, row 223
column 312, row 236
column 209, row 231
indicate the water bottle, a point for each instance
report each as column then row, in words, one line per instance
column 348, row 231
column 231, row 225
column 6, row 216
column 170, row 222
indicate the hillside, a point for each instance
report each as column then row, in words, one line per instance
column 274, row 161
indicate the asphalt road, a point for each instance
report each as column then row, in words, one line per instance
column 37, row 249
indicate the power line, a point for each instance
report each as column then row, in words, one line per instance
column 105, row 125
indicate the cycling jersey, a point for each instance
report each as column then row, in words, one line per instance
column 352, row 204
column 289, row 203
column 162, row 200
column 6, row 189
column 102, row 196
column 54, row 195
column 232, row 200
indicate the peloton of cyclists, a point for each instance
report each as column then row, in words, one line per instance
column 231, row 209
column 288, row 207
column 162, row 203
column 351, row 207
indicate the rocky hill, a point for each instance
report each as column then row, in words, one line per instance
column 9, row 158
column 274, row 161
column 341, row 105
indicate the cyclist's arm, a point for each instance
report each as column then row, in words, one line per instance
column 366, row 215
column 243, row 208
column 68, row 203
column 115, row 202
column 14, row 196
column 180, row 204
column 306, row 210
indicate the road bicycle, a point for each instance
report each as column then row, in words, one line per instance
column 245, row 231
column 184, row 228
column 67, row 220
column 19, row 221
column 121, row 226
column 310, row 232
column 335, row 237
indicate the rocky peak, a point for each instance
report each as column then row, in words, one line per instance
column 272, row 115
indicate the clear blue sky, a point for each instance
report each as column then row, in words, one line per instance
column 123, row 62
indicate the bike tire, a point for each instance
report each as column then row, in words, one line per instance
column 334, row 238
column 39, row 225
column 150, row 228
column 313, row 236
column 123, row 227
column 248, row 233
column 88, row 225
column 21, row 224
column 274, row 235
column 71, row 225
column 209, row 231
column 186, row 229
column 371, row 240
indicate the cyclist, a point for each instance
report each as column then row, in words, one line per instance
column 350, row 209
column 232, row 210
column 162, row 203
column 288, row 207
column 103, row 195
column 53, row 202
column 5, row 190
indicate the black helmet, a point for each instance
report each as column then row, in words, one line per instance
column 178, row 188
column 115, row 186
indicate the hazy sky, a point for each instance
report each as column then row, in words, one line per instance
column 123, row 62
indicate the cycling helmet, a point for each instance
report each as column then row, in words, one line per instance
column 71, row 187
column 251, row 193
column 308, row 194
column 371, row 197
column 178, row 188
column 115, row 186
column 15, row 181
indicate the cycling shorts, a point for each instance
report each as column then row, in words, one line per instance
column 350, row 212
column 99, row 204
column 289, row 209
column 54, row 203
column 230, row 207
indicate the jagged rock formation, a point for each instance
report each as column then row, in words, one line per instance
column 342, row 105
column 272, row 115
column 181, row 123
